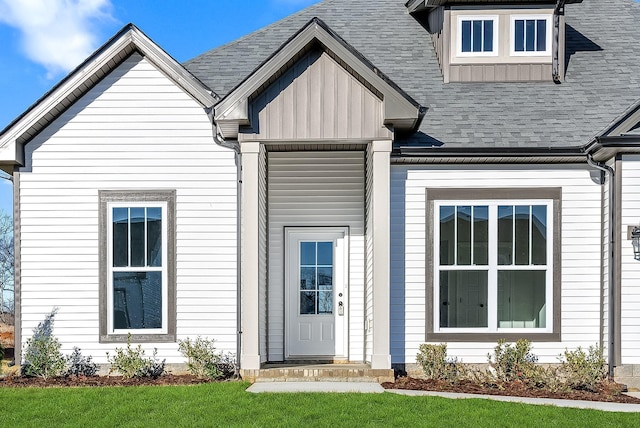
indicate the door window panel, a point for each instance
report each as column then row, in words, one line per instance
column 316, row 277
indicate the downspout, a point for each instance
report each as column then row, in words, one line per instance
column 607, row 170
column 235, row 146
column 559, row 10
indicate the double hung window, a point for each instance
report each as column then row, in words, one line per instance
column 493, row 264
column 137, row 257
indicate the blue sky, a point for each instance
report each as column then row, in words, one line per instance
column 42, row 40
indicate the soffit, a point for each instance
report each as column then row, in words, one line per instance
column 416, row 5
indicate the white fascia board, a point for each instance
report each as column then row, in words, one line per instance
column 105, row 57
column 235, row 108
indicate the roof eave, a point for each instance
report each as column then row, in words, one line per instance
column 72, row 87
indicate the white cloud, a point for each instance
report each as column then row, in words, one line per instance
column 58, row 34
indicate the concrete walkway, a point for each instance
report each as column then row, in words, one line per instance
column 363, row 387
column 370, row 387
column 576, row 404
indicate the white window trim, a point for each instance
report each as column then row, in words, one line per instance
column 496, row 35
column 493, row 267
column 111, row 269
column 512, row 35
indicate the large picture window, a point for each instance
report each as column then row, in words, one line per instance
column 137, row 293
column 494, row 262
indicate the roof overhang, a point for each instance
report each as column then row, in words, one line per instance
column 620, row 136
column 439, row 154
column 127, row 41
column 418, row 5
column 401, row 112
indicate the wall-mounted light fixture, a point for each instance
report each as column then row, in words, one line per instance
column 634, row 235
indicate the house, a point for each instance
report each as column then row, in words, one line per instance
column 344, row 185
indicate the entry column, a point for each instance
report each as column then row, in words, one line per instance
column 380, row 209
column 250, row 248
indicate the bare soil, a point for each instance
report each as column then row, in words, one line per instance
column 608, row 391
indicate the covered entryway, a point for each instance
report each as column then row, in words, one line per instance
column 314, row 126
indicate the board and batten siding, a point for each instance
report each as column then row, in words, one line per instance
column 316, row 99
column 630, row 268
column 581, row 256
column 322, row 188
column 134, row 130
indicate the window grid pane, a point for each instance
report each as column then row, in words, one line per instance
column 488, row 36
column 466, row 36
column 522, row 232
column 120, row 231
column 477, row 36
column 519, row 35
column 463, row 241
column 541, row 35
column 530, row 35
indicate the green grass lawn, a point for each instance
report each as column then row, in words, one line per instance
column 227, row 404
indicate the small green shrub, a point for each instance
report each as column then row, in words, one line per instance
column 42, row 357
column 79, row 365
column 436, row 365
column 513, row 362
column 204, row 361
column 584, row 370
column 132, row 362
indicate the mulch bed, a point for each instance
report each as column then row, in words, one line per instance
column 73, row 381
column 609, row 391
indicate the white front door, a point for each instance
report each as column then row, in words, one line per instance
column 316, row 292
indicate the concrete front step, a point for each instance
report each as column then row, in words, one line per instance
column 318, row 373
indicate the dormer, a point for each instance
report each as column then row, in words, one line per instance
column 494, row 40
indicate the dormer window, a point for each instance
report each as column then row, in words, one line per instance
column 476, row 35
column 530, row 35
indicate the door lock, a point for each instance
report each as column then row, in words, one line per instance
column 340, row 309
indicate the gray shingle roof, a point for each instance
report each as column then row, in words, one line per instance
column 602, row 78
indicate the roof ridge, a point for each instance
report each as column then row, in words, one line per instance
column 263, row 29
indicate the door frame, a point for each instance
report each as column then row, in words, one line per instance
column 341, row 322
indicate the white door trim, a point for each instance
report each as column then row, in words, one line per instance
column 340, row 235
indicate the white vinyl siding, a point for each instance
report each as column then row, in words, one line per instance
column 369, row 255
column 134, row 130
column 263, row 256
column 321, row 188
column 630, row 278
column 581, row 261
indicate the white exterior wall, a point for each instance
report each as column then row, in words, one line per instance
column 581, row 245
column 323, row 188
column 630, row 282
column 135, row 130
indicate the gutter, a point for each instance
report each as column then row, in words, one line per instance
column 235, row 146
column 608, row 171
column 559, row 10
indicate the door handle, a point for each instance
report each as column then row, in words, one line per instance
column 340, row 309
